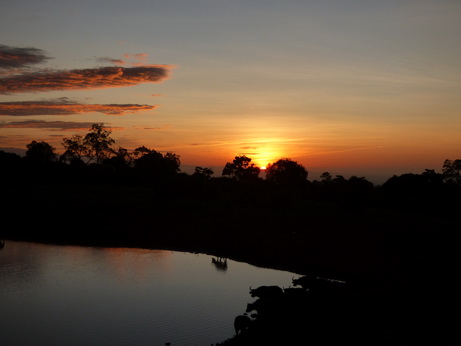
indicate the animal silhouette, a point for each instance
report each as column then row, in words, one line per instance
column 266, row 292
column 220, row 263
column 242, row 323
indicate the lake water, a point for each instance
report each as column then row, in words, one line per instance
column 69, row 295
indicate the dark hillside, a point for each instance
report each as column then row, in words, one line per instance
column 394, row 244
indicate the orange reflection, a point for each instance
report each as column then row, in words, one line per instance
column 136, row 265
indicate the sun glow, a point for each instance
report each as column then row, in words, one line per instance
column 265, row 154
column 263, row 151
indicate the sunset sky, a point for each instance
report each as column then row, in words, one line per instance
column 347, row 86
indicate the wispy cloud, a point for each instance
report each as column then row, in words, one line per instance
column 17, row 57
column 162, row 127
column 136, row 59
column 129, row 59
column 112, row 61
column 51, row 125
column 66, row 107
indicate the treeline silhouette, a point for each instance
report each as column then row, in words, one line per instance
column 398, row 239
column 96, row 194
column 92, row 159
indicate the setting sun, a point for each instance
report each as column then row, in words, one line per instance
column 315, row 98
column 264, row 158
column 321, row 138
column 263, row 151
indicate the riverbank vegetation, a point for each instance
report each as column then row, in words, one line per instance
column 395, row 242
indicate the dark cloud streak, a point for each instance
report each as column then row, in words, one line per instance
column 112, row 61
column 16, row 57
column 52, row 125
column 66, row 107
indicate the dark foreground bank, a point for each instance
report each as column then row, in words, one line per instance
column 399, row 264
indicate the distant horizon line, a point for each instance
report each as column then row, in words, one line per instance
column 374, row 177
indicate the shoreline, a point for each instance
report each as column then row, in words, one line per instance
column 242, row 259
column 388, row 251
column 376, row 298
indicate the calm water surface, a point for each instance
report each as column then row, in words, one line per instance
column 68, row 295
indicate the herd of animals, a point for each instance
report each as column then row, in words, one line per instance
column 328, row 311
column 273, row 299
column 321, row 311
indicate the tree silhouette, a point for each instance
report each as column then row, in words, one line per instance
column 120, row 160
column 75, row 149
column 286, row 172
column 41, row 152
column 9, row 159
column 153, row 164
column 95, row 146
column 11, row 165
column 99, row 142
column 432, row 177
column 141, row 151
column 452, row 170
column 326, row 177
column 202, row 173
column 241, row 169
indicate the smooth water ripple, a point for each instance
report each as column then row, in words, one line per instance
column 68, row 295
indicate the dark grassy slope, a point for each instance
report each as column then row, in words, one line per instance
column 245, row 221
column 400, row 259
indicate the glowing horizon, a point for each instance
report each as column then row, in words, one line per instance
column 345, row 85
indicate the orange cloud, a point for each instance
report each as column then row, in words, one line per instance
column 97, row 78
column 65, row 107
